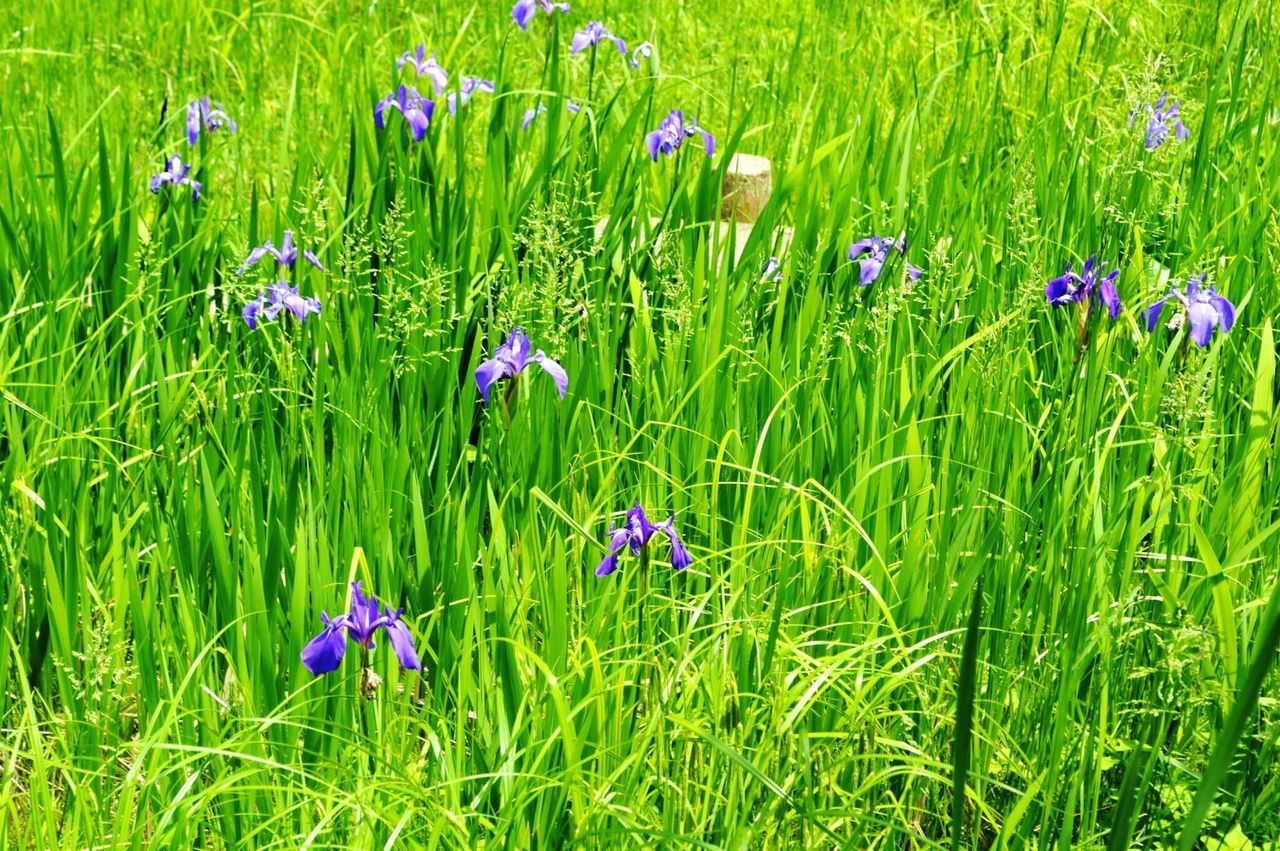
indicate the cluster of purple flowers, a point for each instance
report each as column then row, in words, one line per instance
column 1088, row 289
column 636, row 534
column 1159, row 121
column 279, row 297
column 418, row 109
column 202, row 116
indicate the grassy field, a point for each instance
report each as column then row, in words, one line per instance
column 957, row 580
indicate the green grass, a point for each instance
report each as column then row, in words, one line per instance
column 952, row 587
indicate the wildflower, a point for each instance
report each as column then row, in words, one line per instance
column 1206, row 310
column 644, row 51
column 469, row 86
column 428, row 68
column 1158, row 123
column 594, row 33
column 175, row 174
column 286, row 255
column 510, row 360
column 877, row 251
column 524, row 10
column 672, row 132
column 1088, row 288
column 414, row 107
column 772, row 269
column 636, row 533
column 532, row 114
column 279, row 296
column 210, row 117
column 324, row 652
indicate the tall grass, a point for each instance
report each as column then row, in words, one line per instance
column 953, row 585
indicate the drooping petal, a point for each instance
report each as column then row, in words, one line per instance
column 914, row 272
column 617, row 540
column 402, row 641
column 1226, row 311
column 1204, row 318
column 488, row 372
column 680, row 558
column 653, row 143
column 869, row 270
column 310, row 257
column 1152, row 313
column 581, row 41
column 324, row 653
column 1110, row 295
column 523, row 11
column 553, row 369
column 709, row 141
column 254, row 256
column 860, row 247
column 193, row 122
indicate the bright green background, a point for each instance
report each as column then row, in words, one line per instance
column 182, row 496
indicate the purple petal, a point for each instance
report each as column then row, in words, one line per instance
column 1152, row 313
column 311, row 258
column 709, row 141
column 402, row 641
column 653, row 142
column 859, row 248
column 1226, row 311
column 1203, row 320
column 1110, row 295
column 523, row 11
column 870, row 270
column 680, row 558
column 324, row 652
column 488, row 372
column 553, row 369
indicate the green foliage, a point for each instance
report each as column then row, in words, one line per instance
column 182, row 497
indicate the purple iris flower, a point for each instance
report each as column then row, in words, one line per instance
column 594, row 33
column 176, row 174
column 510, row 360
column 877, row 251
column 532, row 114
column 672, row 132
column 468, row 87
column 286, row 255
column 1205, row 309
column 524, row 10
column 414, row 107
column 772, row 269
column 1158, row 124
column 1088, row 288
column 279, row 297
column 427, row 67
column 643, row 51
column 210, row 117
column 636, row 534
column 324, row 653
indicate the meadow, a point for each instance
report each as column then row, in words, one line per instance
column 981, row 559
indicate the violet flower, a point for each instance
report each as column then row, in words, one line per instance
column 532, row 114
column 524, row 10
column 279, row 297
column 176, row 174
column 591, row 35
column 877, row 251
column 1089, row 288
column 414, row 107
column 209, row 117
column 427, row 67
column 510, row 360
column 286, row 255
column 324, row 653
column 468, row 87
column 643, row 51
column 672, row 132
column 1158, row 124
column 772, row 269
column 1205, row 309
column 636, row 534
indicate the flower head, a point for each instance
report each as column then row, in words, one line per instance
column 286, row 255
column 1159, row 121
column 636, row 534
column 510, row 360
column 1205, row 310
column 324, row 652
column 176, row 174
column 772, row 270
column 209, row 117
column 643, row 51
column 524, row 10
column 591, row 35
column 414, row 107
column 672, row 132
column 469, row 86
column 279, row 297
column 532, row 114
column 425, row 67
column 1089, row 288
column 876, row 250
